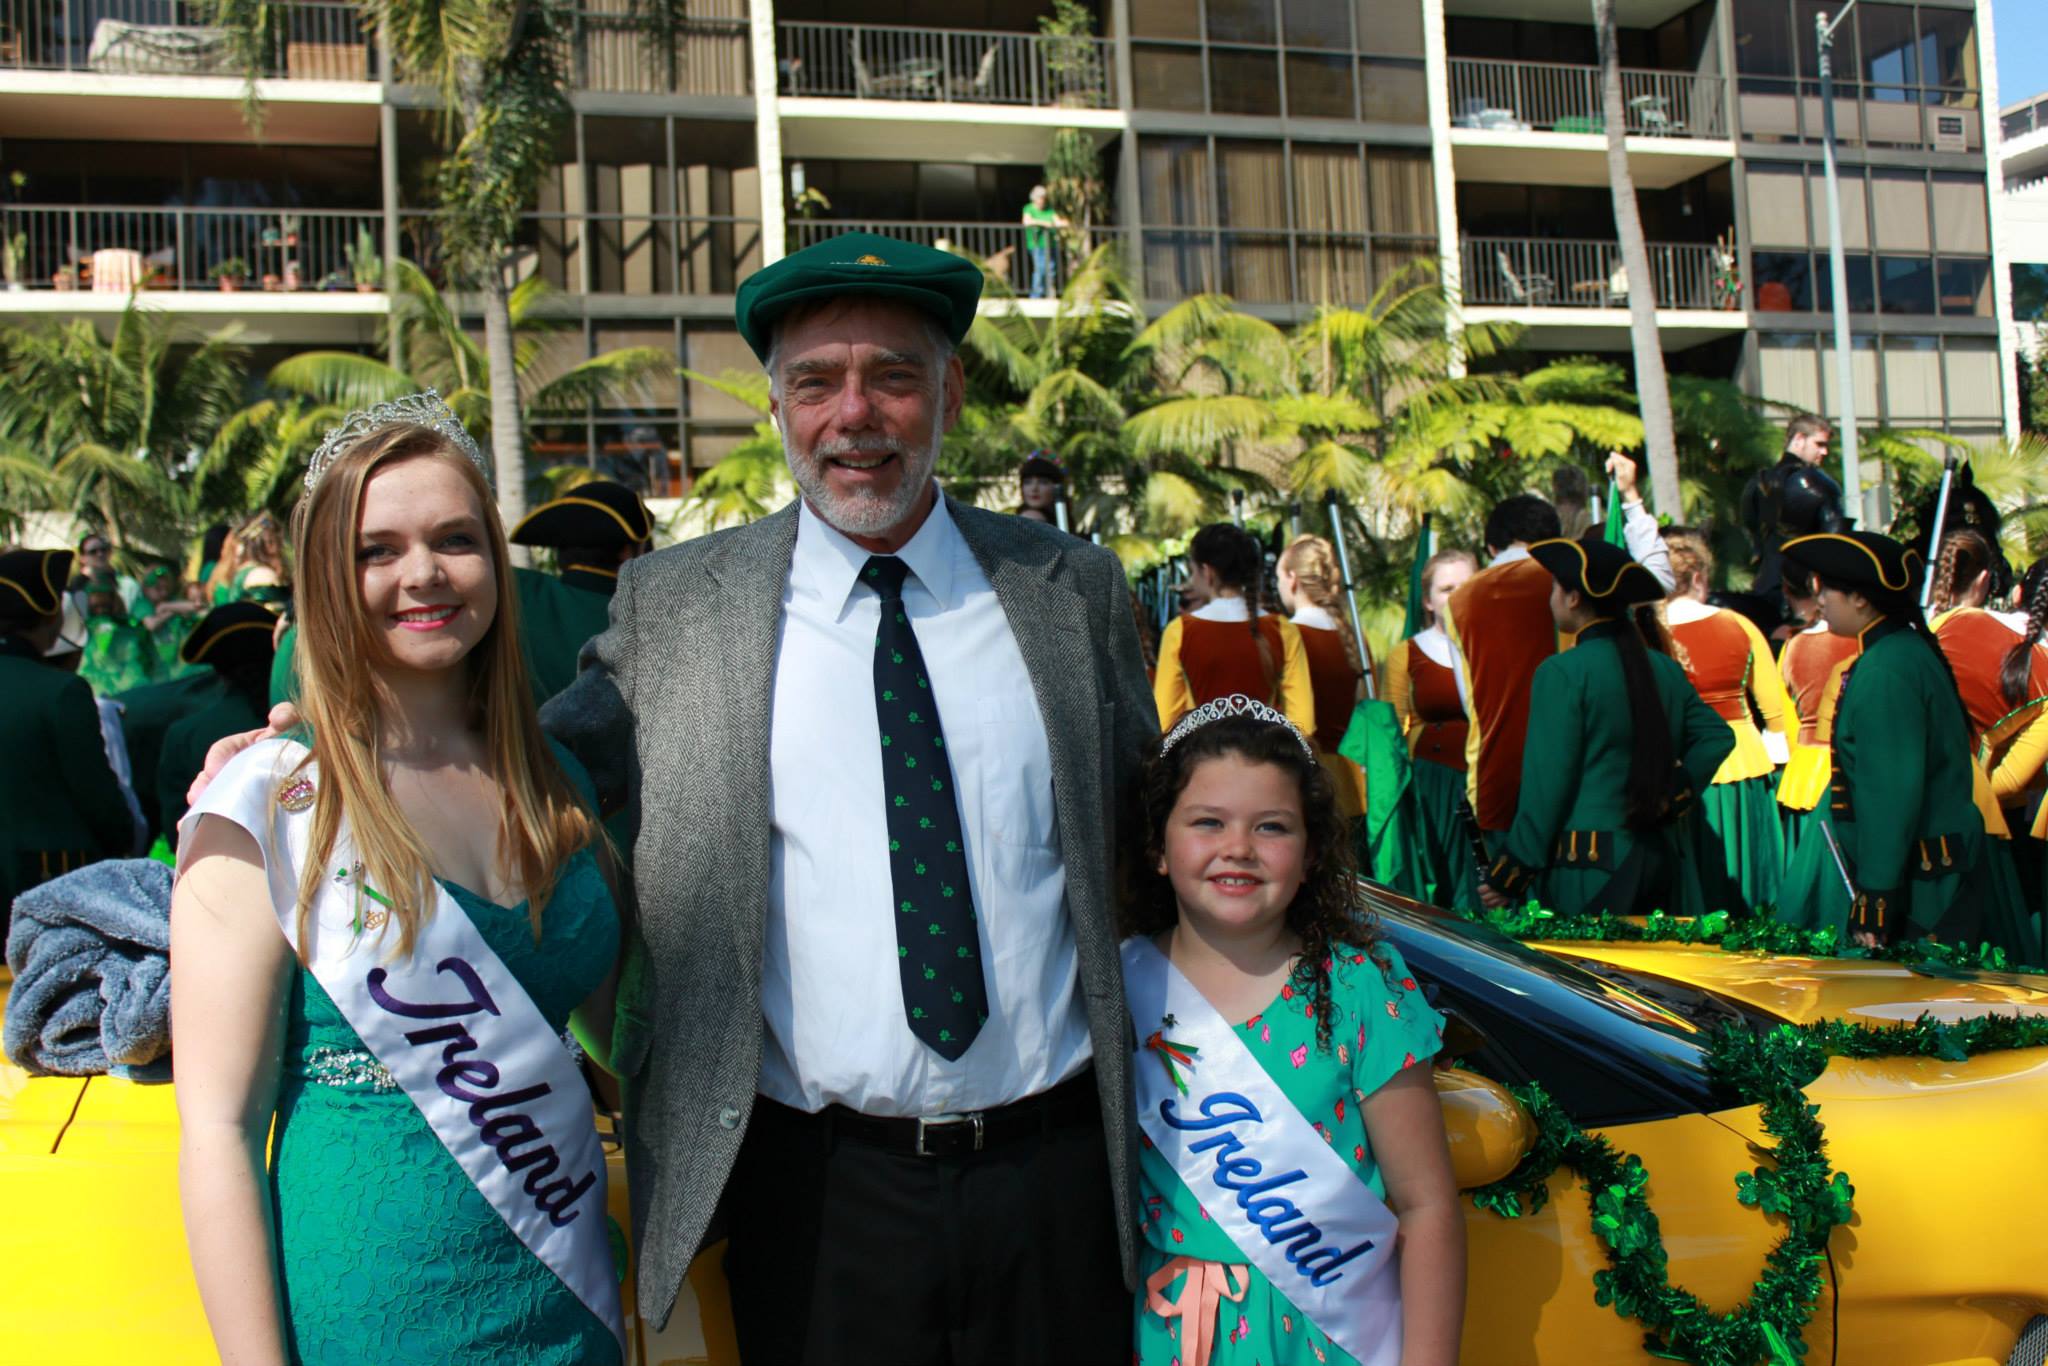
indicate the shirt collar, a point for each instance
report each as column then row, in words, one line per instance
column 1510, row 555
column 1685, row 611
column 1309, row 614
column 1223, row 609
column 832, row 562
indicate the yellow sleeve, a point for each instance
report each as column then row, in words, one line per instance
column 1768, row 688
column 1170, row 690
column 2023, row 760
column 1397, row 686
column 1297, row 689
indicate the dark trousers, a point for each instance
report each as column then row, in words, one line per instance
column 840, row 1252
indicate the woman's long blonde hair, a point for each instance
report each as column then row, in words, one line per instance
column 1313, row 562
column 542, row 822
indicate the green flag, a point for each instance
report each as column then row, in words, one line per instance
column 1418, row 614
column 1386, row 838
column 1615, row 535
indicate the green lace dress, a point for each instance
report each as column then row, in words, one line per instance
column 387, row 1254
column 1382, row 1026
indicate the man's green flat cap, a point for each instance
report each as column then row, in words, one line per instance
column 942, row 284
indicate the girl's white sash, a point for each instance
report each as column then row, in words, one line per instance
column 1262, row 1172
column 453, row 1026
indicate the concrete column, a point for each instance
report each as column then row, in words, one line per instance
column 2001, row 269
column 387, row 166
column 1436, row 68
column 768, row 130
column 1126, row 189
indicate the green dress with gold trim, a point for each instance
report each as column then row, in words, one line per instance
column 1570, row 846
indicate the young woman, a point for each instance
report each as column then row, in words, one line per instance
column 255, row 571
column 1422, row 684
column 1260, row 993
column 1312, row 592
column 1810, row 666
column 1900, row 806
column 1226, row 645
column 1730, row 666
column 378, row 936
column 1619, row 748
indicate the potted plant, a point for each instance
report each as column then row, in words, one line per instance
column 272, row 281
column 13, row 252
column 364, row 264
column 230, row 273
column 1071, row 59
column 65, row 278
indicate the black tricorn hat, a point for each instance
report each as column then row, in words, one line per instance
column 1604, row 574
column 1042, row 464
column 597, row 513
column 232, row 634
column 35, row 577
column 1861, row 560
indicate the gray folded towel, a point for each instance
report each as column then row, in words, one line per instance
column 90, row 952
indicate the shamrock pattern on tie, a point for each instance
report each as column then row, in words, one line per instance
column 938, row 949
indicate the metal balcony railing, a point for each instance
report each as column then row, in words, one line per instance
column 614, row 253
column 1520, row 97
column 1522, row 272
column 1000, row 246
column 958, row 66
column 613, row 52
column 1274, row 266
column 120, row 249
column 311, row 40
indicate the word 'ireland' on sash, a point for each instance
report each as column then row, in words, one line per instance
column 1262, row 1173
column 451, row 1023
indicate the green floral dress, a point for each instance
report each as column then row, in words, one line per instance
column 1382, row 1026
column 386, row 1252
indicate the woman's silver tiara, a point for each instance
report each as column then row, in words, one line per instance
column 424, row 410
column 1237, row 704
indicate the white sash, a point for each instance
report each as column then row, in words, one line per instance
column 455, row 1029
column 1327, row 1245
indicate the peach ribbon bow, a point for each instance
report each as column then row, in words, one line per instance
column 1208, row 1283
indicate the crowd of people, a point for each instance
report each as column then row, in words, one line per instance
column 965, row 953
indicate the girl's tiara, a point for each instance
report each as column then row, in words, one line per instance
column 1237, row 704
column 425, row 410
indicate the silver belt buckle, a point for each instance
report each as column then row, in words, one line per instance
column 927, row 1122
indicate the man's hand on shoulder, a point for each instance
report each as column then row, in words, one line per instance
column 282, row 718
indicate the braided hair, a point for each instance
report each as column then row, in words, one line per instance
column 2018, row 668
column 1964, row 555
column 1313, row 563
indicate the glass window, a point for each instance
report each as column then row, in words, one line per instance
column 1243, row 81
column 1318, row 86
column 1784, row 281
column 712, row 352
column 1390, row 26
column 1329, row 187
column 1394, row 92
column 1763, row 38
column 1965, row 288
column 1165, row 19
column 1315, row 23
column 1855, row 215
column 1974, row 388
column 1948, row 48
column 1808, row 41
column 1241, row 21
column 2029, row 292
column 1898, row 208
column 1400, row 191
column 664, row 389
column 1167, row 77
column 1905, row 284
column 1862, row 288
column 1862, row 371
column 1959, row 214
column 1251, row 184
column 1890, row 55
column 1174, row 182
column 1912, row 379
column 1769, row 110
column 1789, row 370
column 1777, row 206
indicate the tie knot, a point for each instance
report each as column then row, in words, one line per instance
column 885, row 574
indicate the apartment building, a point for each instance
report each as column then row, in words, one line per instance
column 1286, row 152
column 2021, row 210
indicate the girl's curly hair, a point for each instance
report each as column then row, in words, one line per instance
column 1327, row 911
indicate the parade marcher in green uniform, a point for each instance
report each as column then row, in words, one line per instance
column 118, row 653
column 147, row 714
column 168, row 616
column 235, row 641
column 60, row 804
column 1915, row 859
column 1619, row 747
column 593, row 529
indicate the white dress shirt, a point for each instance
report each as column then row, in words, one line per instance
column 1308, row 614
column 1223, row 609
column 830, row 985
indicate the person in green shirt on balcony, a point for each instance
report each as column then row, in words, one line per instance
column 1041, row 221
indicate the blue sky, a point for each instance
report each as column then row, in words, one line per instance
column 2020, row 28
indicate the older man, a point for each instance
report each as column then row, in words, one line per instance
column 878, row 739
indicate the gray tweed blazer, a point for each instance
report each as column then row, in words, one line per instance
column 671, row 712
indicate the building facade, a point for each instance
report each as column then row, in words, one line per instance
column 1285, row 152
column 2022, row 213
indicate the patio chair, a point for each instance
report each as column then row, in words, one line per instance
column 1617, row 285
column 1527, row 290
column 863, row 83
column 1651, row 114
column 984, row 76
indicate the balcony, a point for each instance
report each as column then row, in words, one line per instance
column 612, row 53
column 1274, row 272
column 78, row 259
column 1575, row 293
column 1541, row 123
column 999, row 246
column 638, row 255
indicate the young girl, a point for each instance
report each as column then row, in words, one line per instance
column 377, row 941
column 258, row 572
column 1730, row 666
column 1422, row 684
column 1810, row 667
column 1619, row 748
column 1255, row 980
column 1312, row 590
column 1226, row 645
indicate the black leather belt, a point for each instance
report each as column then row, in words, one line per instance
column 953, row 1135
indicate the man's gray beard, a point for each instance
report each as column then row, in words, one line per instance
column 862, row 514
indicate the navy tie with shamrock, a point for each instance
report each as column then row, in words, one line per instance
column 937, row 948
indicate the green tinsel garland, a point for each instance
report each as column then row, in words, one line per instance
column 1770, row 1070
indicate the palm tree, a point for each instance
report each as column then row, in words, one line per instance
column 1635, row 259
